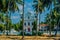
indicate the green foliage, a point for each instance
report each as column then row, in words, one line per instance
column 49, row 20
column 6, row 5
column 43, row 22
column 52, row 19
column 40, row 33
column 2, row 18
column 22, row 33
column 21, row 25
column 9, row 4
column 34, row 25
column 41, row 4
column 18, row 26
column 2, row 27
column 33, row 33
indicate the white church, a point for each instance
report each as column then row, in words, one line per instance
column 28, row 22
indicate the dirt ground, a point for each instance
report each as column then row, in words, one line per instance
column 28, row 38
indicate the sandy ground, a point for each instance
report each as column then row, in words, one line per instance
column 28, row 38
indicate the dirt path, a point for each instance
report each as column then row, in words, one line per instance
column 28, row 38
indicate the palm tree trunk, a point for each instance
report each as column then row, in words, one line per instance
column 55, row 32
column 50, row 20
column 37, row 19
column 36, row 24
column 39, row 15
column 10, row 22
column 56, row 23
column 7, row 20
column 7, row 25
column 57, row 26
column 50, row 26
column 23, row 20
column 50, row 30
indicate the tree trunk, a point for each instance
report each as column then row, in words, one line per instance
column 56, row 32
column 23, row 20
column 57, row 26
column 50, row 30
column 36, row 24
column 7, row 25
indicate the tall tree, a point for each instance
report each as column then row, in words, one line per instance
column 54, row 20
column 6, row 5
column 56, row 12
column 39, row 6
column 23, row 20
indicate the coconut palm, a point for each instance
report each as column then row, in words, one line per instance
column 56, row 12
column 40, row 5
column 57, row 15
column 20, row 2
column 54, row 20
column 50, row 20
column 52, row 16
column 1, row 22
column 10, row 5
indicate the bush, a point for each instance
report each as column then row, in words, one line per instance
column 33, row 33
column 21, row 34
column 40, row 33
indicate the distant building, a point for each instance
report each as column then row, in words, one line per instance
column 28, row 22
column 43, row 27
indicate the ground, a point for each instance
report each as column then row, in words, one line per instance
column 28, row 38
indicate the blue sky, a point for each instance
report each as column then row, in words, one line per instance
column 44, row 13
column 28, row 8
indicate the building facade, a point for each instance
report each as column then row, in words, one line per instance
column 28, row 23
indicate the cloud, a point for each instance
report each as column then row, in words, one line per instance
column 19, row 6
column 14, row 17
column 21, row 12
column 31, row 11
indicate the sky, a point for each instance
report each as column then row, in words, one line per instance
column 28, row 8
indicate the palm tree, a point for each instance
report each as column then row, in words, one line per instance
column 6, row 5
column 50, row 19
column 53, row 20
column 52, row 16
column 39, row 6
column 1, row 22
column 57, row 15
column 56, row 12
